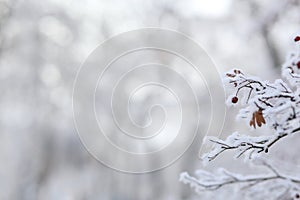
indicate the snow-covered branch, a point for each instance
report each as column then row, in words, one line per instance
column 276, row 105
column 213, row 181
column 243, row 144
column 249, row 145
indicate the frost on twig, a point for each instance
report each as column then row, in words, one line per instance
column 275, row 105
column 243, row 144
column 213, row 181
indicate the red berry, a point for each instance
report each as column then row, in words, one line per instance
column 297, row 38
column 234, row 99
column 297, row 196
column 298, row 65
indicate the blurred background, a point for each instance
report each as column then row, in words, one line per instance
column 43, row 43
